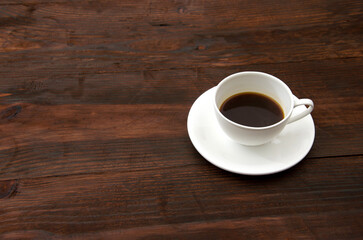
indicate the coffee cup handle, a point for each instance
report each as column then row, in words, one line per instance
column 307, row 111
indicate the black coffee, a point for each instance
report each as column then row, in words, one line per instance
column 252, row 109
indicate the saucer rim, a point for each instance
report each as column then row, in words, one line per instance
column 198, row 147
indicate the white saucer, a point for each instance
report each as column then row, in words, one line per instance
column 286, row 150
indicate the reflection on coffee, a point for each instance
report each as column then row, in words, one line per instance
column 252, row 109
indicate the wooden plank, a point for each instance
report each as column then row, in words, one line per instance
column 285, row 227
column 339, row 79
column 134, row 35
column 194, row 199
column 50, row 140
column 54, row 140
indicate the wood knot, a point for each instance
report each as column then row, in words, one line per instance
column 10, row 112
column 156, row 24
column 8, row 189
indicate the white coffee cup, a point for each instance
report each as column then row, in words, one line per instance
column 260, row 83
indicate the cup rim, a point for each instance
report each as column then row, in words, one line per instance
column 286, row 117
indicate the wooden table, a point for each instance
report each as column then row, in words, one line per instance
column 94, row 98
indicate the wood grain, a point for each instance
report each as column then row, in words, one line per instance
column 94, row 99
column 153, row 35
column 178, row 195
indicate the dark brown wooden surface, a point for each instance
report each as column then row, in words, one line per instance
column 94, row 97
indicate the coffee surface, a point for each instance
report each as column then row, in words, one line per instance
column 252, row 109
